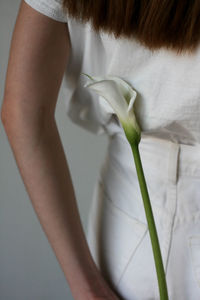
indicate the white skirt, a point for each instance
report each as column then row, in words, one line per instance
column 118, row 235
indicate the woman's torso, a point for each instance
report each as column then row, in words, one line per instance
column 167, row 85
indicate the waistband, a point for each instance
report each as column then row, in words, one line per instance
column 159, row 155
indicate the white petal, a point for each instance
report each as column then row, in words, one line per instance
column 105, row 105
column 109, row 90
column 127, row 91
column 93, row 79
column 130, row 106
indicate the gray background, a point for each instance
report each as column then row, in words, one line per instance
column 29, row 269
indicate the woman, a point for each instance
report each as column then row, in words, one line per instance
column 148, row 49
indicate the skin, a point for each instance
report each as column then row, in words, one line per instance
column 38, row 57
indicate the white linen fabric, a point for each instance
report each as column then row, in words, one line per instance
column 167, row 108
column 117, row 229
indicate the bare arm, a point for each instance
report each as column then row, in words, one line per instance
column 38, row 57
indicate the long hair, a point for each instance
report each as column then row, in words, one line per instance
column 172, row 24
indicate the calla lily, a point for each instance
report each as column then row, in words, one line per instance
column 121, row 96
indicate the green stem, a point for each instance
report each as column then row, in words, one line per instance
column 151, row 224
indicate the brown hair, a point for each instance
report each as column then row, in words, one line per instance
column 174, row 24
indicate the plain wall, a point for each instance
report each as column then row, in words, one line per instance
column 29, row 269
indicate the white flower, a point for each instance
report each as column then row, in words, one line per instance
column 121, row 96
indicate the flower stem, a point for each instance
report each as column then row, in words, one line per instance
column 151, row 224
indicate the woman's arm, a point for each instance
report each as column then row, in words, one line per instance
column 38, row 57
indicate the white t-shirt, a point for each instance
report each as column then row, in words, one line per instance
column 167, row 85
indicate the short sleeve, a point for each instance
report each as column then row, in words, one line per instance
column 50, row 8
